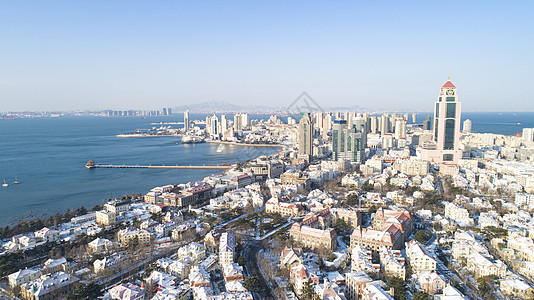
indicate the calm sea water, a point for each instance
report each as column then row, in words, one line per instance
column 48, row 157
column 508, row 123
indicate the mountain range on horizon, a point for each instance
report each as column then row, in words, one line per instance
column 295, row 107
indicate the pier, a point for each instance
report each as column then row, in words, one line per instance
column 92, row 165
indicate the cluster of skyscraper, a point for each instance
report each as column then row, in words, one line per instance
column 220, row 128
column 349, row 131
column 166, row 111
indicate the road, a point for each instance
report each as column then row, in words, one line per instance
column 250, row 250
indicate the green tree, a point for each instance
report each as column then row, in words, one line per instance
column 86, row 292
column 252, row 284
column 399, row 288
column 421, row 296
column 307, row 291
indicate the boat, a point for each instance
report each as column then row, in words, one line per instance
column 16, row 181
column 189, row 139
column 5, row 184
column 90, row 165
column 220, row 148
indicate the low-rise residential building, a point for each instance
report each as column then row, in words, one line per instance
column 299, row 276
column 117, row 206
column 362, row 261
column 165, row 228
column 47, row 235
column 53, row 286
column 314, row 238
column 375, row 291
column 127, row 291
column 23, row 276
column 100, row 245
column 226, row 248
column 125, row 236
column 431, row 282
column 516, row 288
column 450, row 293
column 351, row 217
column 392, row 263
column 355, row 284
column 455, row 212
column 481, row 266
column 275, row 206
column 419, row 258
column 391, row 237
column 83, row 219
column 184, row 232
column 105, row 218
column 291, row 257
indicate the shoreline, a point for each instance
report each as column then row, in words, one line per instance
column 247, row 145
column 145, row 135
column 32, row 218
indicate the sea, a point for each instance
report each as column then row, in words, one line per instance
column 48, row 157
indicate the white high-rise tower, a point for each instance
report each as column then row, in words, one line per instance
column 446, row 131
column 186, row 120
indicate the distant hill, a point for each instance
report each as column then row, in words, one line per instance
column 225, row 107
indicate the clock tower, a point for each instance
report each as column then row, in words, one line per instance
column 446, row 130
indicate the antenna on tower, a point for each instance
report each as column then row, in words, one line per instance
column 449, row 79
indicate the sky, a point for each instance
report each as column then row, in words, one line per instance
column 77, row 55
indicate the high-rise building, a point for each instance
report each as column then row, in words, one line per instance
column 305, row 136
column 373, row 124
column 214, row 131
column 400, row 129
column 245, row 121
column 238, row 122
column 224, row 124
column 348, row 143
column 528, row 134
column 427, row 123
column 414, row 118
column 467, row 126
column 446, row 131
column 186, row 120
column 384, row 124
column 208, row 124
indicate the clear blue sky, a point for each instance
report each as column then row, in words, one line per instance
column 377, row 54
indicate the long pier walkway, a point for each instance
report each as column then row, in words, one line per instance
column 215, row 167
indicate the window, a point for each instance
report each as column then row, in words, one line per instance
column 436, row 129
column 451, row 110
column 449, row 134
column 450, row 99
column 437, row 110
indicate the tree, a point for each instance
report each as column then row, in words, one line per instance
column 252, row 284
column 86, row 292
column 423, row 236
column 421, row 296
column 307, row 291
column 398, row 286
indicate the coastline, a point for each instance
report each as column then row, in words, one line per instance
column 145, row 135
column 243, row 144
column 33, row 218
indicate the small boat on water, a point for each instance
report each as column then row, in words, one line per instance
column 5, row 184
column 16, row 181
column 220, row 148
